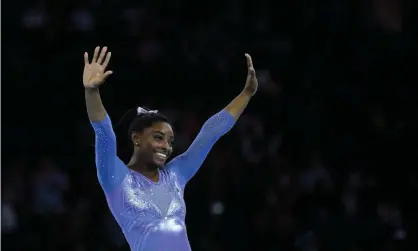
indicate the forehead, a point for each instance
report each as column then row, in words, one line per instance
column 160, row 127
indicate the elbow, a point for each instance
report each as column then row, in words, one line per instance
column 219, row 124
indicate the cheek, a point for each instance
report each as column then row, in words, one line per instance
column 153, row 144
column 146, row 149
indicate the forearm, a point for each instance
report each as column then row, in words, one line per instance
column 238, row 104
column 187, row 164
column 95, row 110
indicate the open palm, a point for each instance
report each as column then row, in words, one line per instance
column 251, row 85
column 95, row 71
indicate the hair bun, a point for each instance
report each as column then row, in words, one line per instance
column 127, row 118
column 131, row 114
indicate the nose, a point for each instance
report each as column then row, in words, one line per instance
column 165, row 145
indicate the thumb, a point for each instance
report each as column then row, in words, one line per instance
column 251, row 71
column 107, row 74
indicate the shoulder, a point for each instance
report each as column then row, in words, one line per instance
column 171, row 175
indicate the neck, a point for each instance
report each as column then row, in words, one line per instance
column 148, row 171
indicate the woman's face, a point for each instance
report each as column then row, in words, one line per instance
column 156, row 143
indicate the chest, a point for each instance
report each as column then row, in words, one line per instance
column 142, row 198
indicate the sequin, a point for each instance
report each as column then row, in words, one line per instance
column 152, row 214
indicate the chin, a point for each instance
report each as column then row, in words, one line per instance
column 159, row 163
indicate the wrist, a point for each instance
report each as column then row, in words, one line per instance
column 245, row 95
column 91, row 89
column 248, row 92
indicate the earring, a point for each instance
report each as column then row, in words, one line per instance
column 136, row 143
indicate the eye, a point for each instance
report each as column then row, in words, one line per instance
column 171, row 142
column 158, row 137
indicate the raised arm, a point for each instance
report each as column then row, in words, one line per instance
column 188, row 163
column 94, row 75
column 238, row 104
column 110, row 169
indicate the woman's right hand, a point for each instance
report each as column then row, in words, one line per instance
column 94, row 73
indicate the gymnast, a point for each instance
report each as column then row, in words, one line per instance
column 146, row 195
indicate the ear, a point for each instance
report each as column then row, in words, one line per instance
column 135, row 137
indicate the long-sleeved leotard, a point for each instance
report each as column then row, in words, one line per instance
column 152, row 214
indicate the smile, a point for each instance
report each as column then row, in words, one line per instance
column 161, row 155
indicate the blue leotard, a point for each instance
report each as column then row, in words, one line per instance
column 152, row 214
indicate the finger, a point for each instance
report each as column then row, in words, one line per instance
column 95, row 55
column 102, row 55
column 249, row 61
column 86, row 58
column 107, row 59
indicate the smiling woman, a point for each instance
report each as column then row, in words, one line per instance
column 146, row 196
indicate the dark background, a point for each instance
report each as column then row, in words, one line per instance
column 323, row 159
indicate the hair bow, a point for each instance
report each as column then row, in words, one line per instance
column 140, row 110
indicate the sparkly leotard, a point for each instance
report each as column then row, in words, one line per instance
column 152, row 214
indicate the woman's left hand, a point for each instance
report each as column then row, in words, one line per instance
column 251, row 85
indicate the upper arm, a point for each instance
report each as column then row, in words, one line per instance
column 188, row 163
column 110, row 169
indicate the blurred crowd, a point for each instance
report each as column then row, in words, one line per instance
column 323, row 159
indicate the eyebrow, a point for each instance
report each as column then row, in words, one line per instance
column 162, row 133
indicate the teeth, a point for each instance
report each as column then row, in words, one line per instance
column 162, row 155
